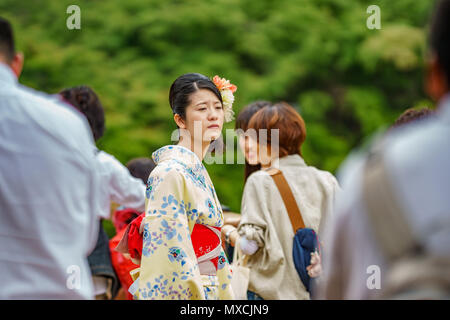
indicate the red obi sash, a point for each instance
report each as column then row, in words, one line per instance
column 205, row 241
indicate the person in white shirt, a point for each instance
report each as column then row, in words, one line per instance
column 48, row 190
column 123, row 188
column 117, row 185
column 417, row 163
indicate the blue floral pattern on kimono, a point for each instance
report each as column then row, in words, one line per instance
column 179, row 195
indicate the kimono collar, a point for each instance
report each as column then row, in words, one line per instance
column 194, row 167
column 178, row 153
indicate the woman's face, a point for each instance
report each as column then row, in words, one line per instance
column 249, row 146
column 255, row 153
column 264, row 155
column 204, row 116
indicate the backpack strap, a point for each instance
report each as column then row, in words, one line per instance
column 386, row 215
column 288, row 198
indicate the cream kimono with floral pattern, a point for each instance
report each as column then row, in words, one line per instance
column 179, row 195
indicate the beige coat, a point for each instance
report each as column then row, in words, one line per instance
column 265, row 220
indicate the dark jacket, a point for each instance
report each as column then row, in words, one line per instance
column 100, row 261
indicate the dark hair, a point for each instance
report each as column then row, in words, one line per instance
column 141, row 168
column 282, row 116
column 439, row 37
column 7, row 48
column 242, row 121
column 411, row 115
column 184, row 86
column 86, row 101
column 249, row 110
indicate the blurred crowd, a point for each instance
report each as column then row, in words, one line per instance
column 380, row 230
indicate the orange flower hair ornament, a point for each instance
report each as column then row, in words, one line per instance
column 226, row 91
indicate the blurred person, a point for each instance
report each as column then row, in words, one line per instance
column 180, row 252
column 139, row 168
column 390, row 234
column 118, row 186
column 48, row 189
column 265, row 230
column 242, row 121
column 228, row 230
column 412, row 115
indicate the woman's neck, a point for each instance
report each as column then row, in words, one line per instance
column 272, row 162
column 265, row 166
column 199, row 148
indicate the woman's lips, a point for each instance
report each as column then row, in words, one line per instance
column 213, row 126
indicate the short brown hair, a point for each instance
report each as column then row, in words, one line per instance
column 282, row 116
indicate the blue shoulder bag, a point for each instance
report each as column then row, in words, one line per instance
column 305, row 239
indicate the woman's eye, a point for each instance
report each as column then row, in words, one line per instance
column 202, row 109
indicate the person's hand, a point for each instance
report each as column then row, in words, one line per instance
column 315, row 268
column 225, row 229
column 232, row 235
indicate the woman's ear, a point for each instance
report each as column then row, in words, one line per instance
column 179, row 121
column 436, row 82
column 17, row 64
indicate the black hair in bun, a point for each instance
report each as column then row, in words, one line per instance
column 184, row 86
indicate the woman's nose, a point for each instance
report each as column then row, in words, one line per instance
column 213, row 114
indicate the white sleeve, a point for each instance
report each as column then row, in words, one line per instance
column 120, row 186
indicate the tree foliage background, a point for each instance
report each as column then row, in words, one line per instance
column 344, row 79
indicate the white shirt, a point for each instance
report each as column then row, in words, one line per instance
column 418, row 160
column 118, row 185
column 48, row 194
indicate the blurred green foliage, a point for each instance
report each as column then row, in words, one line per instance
column 345, row 79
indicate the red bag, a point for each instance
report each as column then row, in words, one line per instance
column 123, row 216
column 123, row 266
column 135, row 238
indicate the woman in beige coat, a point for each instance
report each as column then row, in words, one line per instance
column 265, row 231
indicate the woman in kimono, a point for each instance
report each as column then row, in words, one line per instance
column 182, row 255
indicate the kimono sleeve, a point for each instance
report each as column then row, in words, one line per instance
column 169, row 268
